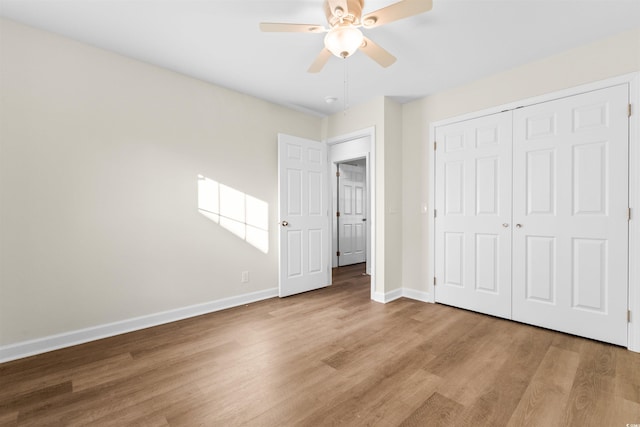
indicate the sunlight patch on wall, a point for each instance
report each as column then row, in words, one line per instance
column 243, row 215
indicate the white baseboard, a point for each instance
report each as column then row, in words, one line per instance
column 387, row 297
column 68, row 339
column 416, row 295
column 378, row 297
column 403, row 292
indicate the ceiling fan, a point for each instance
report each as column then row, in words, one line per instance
column 344, row 37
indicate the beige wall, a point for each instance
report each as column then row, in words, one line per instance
column 393, row 194
column 99, row 159
column 606, row 58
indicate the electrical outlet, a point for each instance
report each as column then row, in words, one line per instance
column 245, row 277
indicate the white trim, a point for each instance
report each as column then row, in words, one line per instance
column 81, row 336
column 633, row 343
column 431, row 209
column 417, row 295
column 632, row 80
column 564, row 93
column 388, row 297
column 402, row 292
column 371, row 182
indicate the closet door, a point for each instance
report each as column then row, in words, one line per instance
column 570, row 240
column 473, row 203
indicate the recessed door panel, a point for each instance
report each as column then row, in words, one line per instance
column 294, row 243
column 540, row 266
column 315, row 193
column 359, row 239
column 589, row 278
column 454, row 188
column 359, row 199
column 294, row 190
column 487, row 262
column 570, row 242
column 315, row 251
column 542, row 126
column 590, row 179
column 486, row 137
column 541, row 182
column 453, row 259
column 487, row 196
column 454, row 141
column 588, row 117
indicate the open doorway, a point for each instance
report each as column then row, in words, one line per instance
column 350, row 204
column 352, row 158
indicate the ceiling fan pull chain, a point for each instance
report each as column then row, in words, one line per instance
column 345, row 103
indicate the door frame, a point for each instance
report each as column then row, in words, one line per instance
column 370, row 159
column 633, row 82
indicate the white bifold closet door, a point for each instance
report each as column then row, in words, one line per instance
column 570, row 202
column 532, row 209
column 473, row 204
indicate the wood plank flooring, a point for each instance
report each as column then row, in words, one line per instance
column 328, row 357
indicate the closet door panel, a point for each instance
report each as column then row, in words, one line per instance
column 570, row 200
column 473, row 202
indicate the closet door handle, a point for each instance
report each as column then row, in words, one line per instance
column 505, row 225
column 518, row 225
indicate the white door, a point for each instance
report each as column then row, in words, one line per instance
column 304, row 215
column 473, row 205
column 570, row 244
column 352, row 241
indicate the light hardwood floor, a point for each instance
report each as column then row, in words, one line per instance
column 329, row 357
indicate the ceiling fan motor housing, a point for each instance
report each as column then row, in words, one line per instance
column 351, row 16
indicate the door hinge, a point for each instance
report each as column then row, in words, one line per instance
column 337, row 213
column 628, row 316
column 629, row 110
column 628, row 214
column 435, row 145
column 338, row 173
column 338, row 253
column 435, row 213
column 434, row 281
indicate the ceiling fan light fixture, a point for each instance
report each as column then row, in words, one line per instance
column 343, row 41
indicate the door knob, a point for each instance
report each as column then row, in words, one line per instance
column 364, row 219
column 505, row 225
column 518, row 225
column 284, row 223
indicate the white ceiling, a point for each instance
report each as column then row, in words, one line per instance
column 219, row 41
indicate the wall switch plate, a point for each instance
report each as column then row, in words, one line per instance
column 245, row 277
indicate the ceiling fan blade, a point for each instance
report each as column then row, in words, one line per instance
column 291, row 28
column 320, row 61
column 396, row 11
column 339, row 8
column 377, row 53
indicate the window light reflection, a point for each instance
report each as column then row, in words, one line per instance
column 243, row 215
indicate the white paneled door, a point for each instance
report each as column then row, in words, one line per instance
column 570, row 201
column 304, row 215
column 473, row 205
column 352, row 220
column 532, row 214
